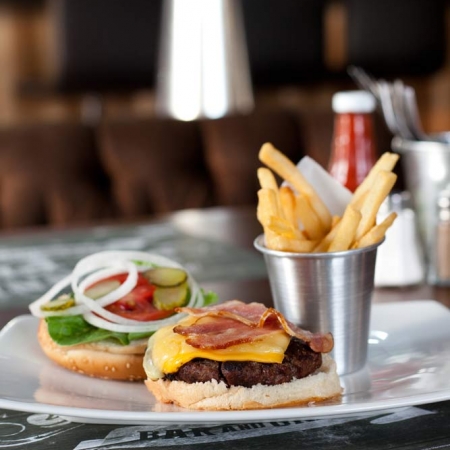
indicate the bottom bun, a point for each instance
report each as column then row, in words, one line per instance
column 212, row 395
column 98, row 359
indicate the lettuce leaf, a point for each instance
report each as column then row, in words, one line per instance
column 209, row 298
column 72, row 330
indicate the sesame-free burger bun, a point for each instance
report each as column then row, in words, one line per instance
column 212, row 395
column 98, row 359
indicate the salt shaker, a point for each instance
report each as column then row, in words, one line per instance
column 400, row 258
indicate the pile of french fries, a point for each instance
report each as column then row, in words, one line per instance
column 295, row 219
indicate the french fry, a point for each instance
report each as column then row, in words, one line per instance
column 282, row 227
column 334, row 221
column 267, row 206
column 287, row 204
column 323, row 245
column 284, row 167
column 267, row 180
column 285, row 244
column 346, row 231
column 384, row 181
column 305, row 214
column 376, row 233
column 386, row 162
column 358, row 203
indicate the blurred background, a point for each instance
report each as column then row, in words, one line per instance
column 80, row 138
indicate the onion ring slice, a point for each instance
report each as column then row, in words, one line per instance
column 102, row 265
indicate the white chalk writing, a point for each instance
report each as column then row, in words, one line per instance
column 163, row 435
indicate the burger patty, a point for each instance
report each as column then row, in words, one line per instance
column 299, row 361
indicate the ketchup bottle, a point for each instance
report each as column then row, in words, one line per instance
column 353, row 149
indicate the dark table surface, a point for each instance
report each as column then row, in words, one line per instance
column 217, row 245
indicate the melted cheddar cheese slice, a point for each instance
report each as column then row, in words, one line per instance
column 168, row 351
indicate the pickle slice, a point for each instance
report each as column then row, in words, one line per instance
column 168, row 298
column 102, row 288
column 166, row 276
column 63, row 302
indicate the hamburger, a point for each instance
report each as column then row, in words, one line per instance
column 97, row 320
column 237, row 356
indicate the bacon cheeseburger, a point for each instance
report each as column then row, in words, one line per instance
column 235, row 356
column 97, row 320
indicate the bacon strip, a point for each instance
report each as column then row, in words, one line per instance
column 248, row 313
column 321, row 343
column 237, row 322
column 221, row 333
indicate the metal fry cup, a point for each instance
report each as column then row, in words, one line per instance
column 324, row 292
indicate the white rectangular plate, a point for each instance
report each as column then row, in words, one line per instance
column 408, row 364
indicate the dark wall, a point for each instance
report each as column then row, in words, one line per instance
column 106, row 44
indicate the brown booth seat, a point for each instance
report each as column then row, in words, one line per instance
column 154, row 166
column 59, row 174
column 50, row 174
column 163, row 165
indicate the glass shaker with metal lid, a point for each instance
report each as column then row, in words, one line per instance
column 400, row 259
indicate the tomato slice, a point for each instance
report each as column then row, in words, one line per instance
column 137, row 304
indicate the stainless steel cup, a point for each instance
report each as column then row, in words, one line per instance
column 426, row 167
column 324, row 292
